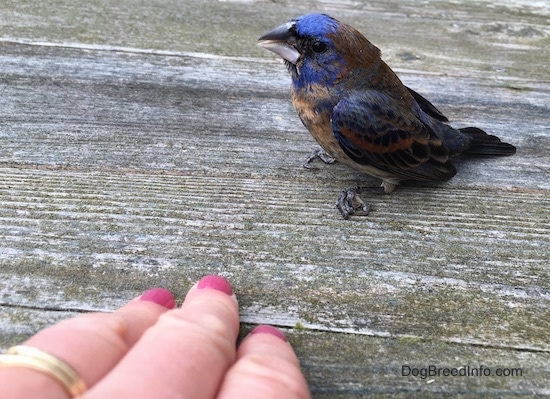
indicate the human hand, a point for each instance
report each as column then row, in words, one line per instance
column 148, row 349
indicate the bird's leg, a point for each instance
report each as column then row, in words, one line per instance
column 319, row 153
column 350, row 203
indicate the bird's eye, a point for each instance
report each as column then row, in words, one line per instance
column 318, row 47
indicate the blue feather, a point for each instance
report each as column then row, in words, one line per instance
column 327, row 66
column 316, row 25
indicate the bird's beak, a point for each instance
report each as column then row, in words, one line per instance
column 282, row 41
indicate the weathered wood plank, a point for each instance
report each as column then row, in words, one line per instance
column 153, row 150
column 361, row 366
column 492, row 262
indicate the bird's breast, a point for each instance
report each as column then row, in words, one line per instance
column 314, row 107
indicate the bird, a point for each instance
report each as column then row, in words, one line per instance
column 360, row 112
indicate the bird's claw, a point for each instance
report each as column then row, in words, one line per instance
column 350, row 203
column 321, row 154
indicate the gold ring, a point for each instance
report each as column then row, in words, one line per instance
column 26, row 356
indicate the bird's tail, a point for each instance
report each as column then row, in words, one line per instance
column 486, row 144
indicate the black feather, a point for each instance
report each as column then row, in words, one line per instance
column 427, row 106
column 486, row 144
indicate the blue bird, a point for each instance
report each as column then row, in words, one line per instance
column 362, row 115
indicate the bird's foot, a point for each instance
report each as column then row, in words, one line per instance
column 321, row 154
column 350, row 203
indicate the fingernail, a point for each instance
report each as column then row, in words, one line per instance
column 160, row 296
column 265, row 329
column 217, row 283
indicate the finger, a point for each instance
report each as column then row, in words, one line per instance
column 185, row 354
column 266, row 368
column 91, row 344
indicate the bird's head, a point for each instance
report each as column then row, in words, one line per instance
column 319, row 49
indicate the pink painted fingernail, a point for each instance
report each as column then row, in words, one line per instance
column 217, row 283
column 265, row 329
column 160, row 296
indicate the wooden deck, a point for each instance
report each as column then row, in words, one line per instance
column 147, row 144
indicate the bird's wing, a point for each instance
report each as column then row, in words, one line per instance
column 427, row 106
column 373, row 130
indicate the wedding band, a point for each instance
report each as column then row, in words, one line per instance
column 29, row 357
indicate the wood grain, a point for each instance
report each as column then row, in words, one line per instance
column 157, row 149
